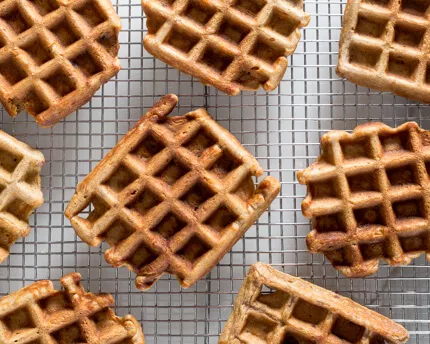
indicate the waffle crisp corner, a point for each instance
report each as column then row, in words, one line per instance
column 233, row 45
column 368, row 197
column 20, row 189
column 384, row 46
column 174, row 195
column 276, row 308
column 55, row 54
column 40, row 314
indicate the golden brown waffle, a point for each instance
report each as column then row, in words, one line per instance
column 174, row 195
column 40, row 314
column 233, row 45
column 55, row 54
column 384, row 45
column 20, row 190
column 276, row 308
column 369, row 197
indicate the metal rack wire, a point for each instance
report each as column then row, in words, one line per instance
column 282, row 129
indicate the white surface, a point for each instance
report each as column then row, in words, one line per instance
column 281, row 128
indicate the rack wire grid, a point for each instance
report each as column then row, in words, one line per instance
column 281, row 128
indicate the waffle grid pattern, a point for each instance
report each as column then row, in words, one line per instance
column 232, row 45
column 40, row 314
column 368, row 197
column 173, row 197
column 277, row 308
column 20, row 189
column 385, row 44
column 54, row 55
column 276, row 127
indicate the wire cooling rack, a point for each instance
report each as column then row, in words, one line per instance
column 281, row 128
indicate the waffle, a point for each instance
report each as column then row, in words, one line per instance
column 276, row 308
column 40, row 314
column 233, row 45
column 19, row 189
column 55, row 54
column 369, row 197
column 174, row 195
column 384, row 46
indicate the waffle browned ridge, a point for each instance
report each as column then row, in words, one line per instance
column 55, row 54
column 40, row 314
column 174, row 195
column 368, row 196
column 20, row 189
column 385, row 45
column 275, row 308
column 233, row 45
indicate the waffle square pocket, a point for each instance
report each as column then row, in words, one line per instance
column 276, row 308
column 55, row 54
column 384, row 46
column 233, row 45
column 40, row 314
column 368, row 197
column 173, row 196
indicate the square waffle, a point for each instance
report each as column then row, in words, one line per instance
column 20, row 189
column 384, row 46
column 55, row 54
column 276, row 308
column 368, row 197
column 40, row 314
column 233, row 45
column 174, row 195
